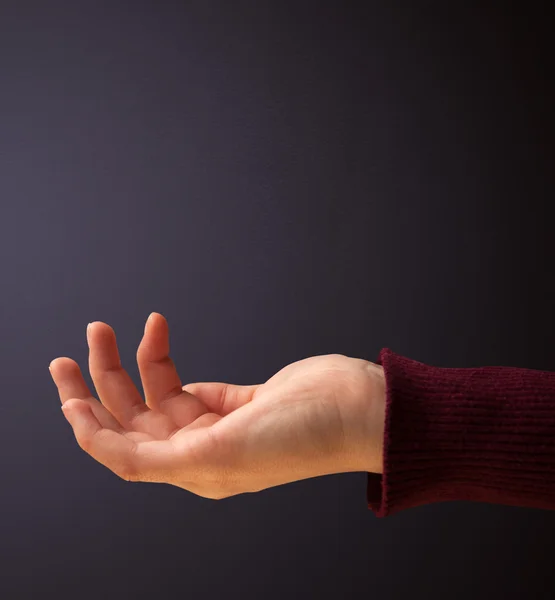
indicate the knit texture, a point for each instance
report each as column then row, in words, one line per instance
column 484, row 434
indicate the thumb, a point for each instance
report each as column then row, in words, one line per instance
column 221, row 398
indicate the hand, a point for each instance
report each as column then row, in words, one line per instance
column 316, row 416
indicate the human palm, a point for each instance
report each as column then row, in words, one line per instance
column 319, row 415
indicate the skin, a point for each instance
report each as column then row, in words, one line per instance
column 317, row 416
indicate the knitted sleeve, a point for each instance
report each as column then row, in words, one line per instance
column 484, row 434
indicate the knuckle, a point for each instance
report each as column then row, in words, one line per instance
column 219, row 497
column 85, row 443
column 128, row 475
column 224, row 397
column 127, row 472
column 216, row 494
column 175, row 391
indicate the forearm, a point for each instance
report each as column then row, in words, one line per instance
column 483, row 434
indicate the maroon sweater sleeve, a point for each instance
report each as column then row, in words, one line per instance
column 485, row 434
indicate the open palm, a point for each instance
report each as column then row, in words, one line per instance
column 209, row 437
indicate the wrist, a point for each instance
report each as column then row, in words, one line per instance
column 367, row 420
column 375, row 419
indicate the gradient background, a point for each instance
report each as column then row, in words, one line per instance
column 279, row 179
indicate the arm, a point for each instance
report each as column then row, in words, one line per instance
column 485, row 434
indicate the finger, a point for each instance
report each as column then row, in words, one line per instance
column 70, row 383
column 157, row 370
column 114, row 386
column 161, row 382
column 132, row 461
column 221, row 398
column 116, row 389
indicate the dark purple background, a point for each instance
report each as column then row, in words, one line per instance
column 279, row 179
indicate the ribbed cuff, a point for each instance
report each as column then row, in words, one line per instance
column 483, row 434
